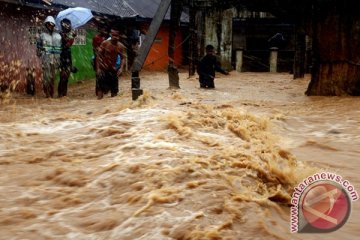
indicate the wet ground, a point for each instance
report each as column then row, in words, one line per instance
column 176, row 164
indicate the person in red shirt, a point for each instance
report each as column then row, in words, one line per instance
column 103, row 35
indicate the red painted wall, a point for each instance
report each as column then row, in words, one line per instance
column 158, row 58
column 16, row 52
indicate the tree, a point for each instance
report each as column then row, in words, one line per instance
column 336, row 48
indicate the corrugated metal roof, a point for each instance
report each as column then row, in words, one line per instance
column 147, row 9
column 110, row 7
column 121, row 8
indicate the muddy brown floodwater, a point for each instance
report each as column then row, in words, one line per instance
column 176, row 164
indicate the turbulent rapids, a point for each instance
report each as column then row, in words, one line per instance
column 185, row 164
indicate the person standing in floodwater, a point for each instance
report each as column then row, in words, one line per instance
column 104, row 34
column 67, row 40
column 207, row 67
column 106, row 69
column 49, row 49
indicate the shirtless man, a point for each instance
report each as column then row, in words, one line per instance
column 106, row 68
column 104, row 33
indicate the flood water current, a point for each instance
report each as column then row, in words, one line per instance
column 176, row 164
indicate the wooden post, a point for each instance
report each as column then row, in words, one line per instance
column 239, row 59
column 273, row 59
column 300, row 48
column 175, row 14
column 145, row 47
column 336, row 49
column 201, row 33
column 197, row 42
column 192, row 42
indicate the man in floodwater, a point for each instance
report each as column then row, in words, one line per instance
column 106, row 69
column 207, row 67
column 104, row 34
column 67, row 40
column 49, row 49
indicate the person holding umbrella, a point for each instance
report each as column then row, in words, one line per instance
column 68, row 20
column 66, row 67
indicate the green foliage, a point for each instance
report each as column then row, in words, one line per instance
column 82, row 57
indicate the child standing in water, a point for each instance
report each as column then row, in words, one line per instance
column 207, row 67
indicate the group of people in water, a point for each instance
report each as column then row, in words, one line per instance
column 110, row 55
column 54, row 50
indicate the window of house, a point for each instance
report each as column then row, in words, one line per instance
column 80, row 37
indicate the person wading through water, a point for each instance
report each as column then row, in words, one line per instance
column 207, row 67
column 106, row 69
column 104, row 34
